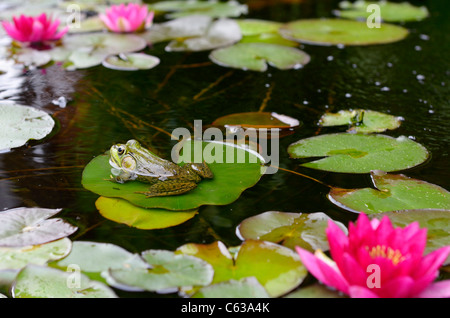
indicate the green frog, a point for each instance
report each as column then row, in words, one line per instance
column 131, row 161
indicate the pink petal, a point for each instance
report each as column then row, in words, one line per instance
column 432, row 261
column 399, row 287
column 322, row 271
column 337, row 240
column 437, row 290
column 361, row 292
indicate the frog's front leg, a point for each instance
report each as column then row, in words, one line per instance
column 202, row 169
column 169, row 187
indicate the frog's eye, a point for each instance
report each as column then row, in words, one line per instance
column 120, row 150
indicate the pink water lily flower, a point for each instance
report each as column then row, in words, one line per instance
column 378, row 260
column 127, row 18
column 34, row 29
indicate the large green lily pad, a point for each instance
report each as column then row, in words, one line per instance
column 359, row 153
column 122, row 211
column 232, row 176
column 389, row 11
column 256, row 56
column 437, row 223
column 361, row 120
column 19, row 123
column 32, row 226
column 247, row 287
column 166, row 272
column 339, row 31
column 306, row 230
column 255, row 30
column 18, row 257
column 46, row 282
column 277, row 268
column 391, row 193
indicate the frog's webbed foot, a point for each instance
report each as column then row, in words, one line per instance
column 202, row 169
column 170, row 187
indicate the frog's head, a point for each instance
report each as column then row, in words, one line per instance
column 122, row 155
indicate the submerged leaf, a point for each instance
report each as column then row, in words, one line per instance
column 256, row 56
column 306, row 230
column 361, row 120
column 391, row 193
column 19, row 123
column 32, row 226
column 121, row 211
column 359, row 153
column 389, row 11
column 344, row 32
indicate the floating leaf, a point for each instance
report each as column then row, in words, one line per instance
column 91, row 24
column 211, row 8
column 257, row 120
column 437, row 223
column 234, row 169
column 222, row 32
column 389, row 11
column 185, row 27
column 256, row 56
column 19, row 123
column 87, row 50
column 277, row 268
column 360, row 120
column 131, row 62
column 391, row 193
column 254, row 30
column 315, row 291
column 121, row 211
column 306, row 230
column 45, row 282
column 32, row 226
column 18, row 257
column 359, row 153
column 166, row 272
column 337, row 31
column 248, row 287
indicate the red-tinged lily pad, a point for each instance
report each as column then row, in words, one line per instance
column 235, row 169
column 391, row 193
column 437, row 223
column 256, row 56
column 257, row 120
column 359, row 153
column 361, row 120
column 340, row 31
column 306, row 230
column 277, row 268
column 121, row 211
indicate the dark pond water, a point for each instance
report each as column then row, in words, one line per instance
column 410, row 78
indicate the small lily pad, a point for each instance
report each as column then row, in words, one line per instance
column 248, row 287
column 46, row 282
column 277, row 268
column 121, row 211
column 288, row 229
column 211, row 8
column 19, row 123
column 166, row 272
column 18, row 257
column 359, row 153
column 360, row 120
column 315, row 291
column 391, row 193
column 235, row 169
column 257, row 120
column 437, row 223
column 131, row 62
column 32, row 226
column 340, row 31
column 256, row 56
column 255, row 30
column 389, row 11
column 219, row 33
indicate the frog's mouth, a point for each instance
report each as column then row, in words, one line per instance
column 114, row 164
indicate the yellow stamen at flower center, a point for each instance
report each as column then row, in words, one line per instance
column 387, row 252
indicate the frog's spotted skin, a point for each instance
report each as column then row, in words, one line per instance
column 130, row 161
